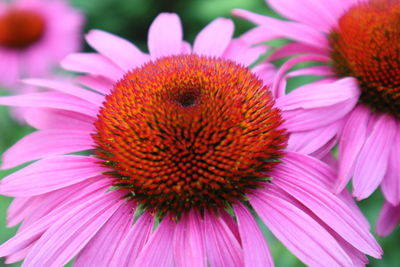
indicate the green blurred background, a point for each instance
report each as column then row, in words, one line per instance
column 131, row 19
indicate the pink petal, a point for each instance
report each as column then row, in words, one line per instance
column 292, row 49
column 81, row 200
column 51, row 100
column 351, row 141
column 65, row 238
column 258, row 34
column 320, row 174
column 308, row 142
column 313, row 13
column 389, row 218
column 39, row 206
column 50, row 174
column 93, row 64
column 372, row 161
column 159, row 249
column 242, row 53
column 165, row 36
column 46, row 143
column 301, row 234
column 101, row 84
column 130, row 247
column 231, row 223
column 314, row 96
column 266, row 72
column 17, row 210
column 291, row 30
column 330, row 209
column 214, row 38
column 314, row 71
column 42, row 118
column 69, row 89
column 120, row 51
column 391, row 182
column 299, row 120
column 100, row 250
column 281, row 75
column 188, row 242
column 222, row 247
column 255, row 248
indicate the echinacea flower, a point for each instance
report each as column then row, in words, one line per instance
column 358, row 39
column 179, row 149
column 34, row 36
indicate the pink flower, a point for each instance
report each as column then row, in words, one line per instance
column 356, row 39
column 34, row 36
column 184, row 138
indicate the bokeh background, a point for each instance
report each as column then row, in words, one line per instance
column 131, row 19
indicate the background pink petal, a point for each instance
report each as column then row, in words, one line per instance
column 165, row 36
column 291, row 30
column 391, row 182
column 389, row 218
column 351, row 140
column 214, row 38
column 373, row 159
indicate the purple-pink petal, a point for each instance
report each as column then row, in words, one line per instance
column 222, row 247
column 300, row 233
column 159, row 249
column 46, row 143
column 188, row 242
column 137, row 237
column 255, row 248
column 67, row 236
column 330, row 209
column 50, row 174
column 100, row 250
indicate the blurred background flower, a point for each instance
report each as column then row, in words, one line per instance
column 130, row 19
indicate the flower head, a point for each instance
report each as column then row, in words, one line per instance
column 30, row 31
column 188, row 139
column 357, row 39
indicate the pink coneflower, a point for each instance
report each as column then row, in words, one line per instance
column 360, row 39
column 34, row 36
column 181, row 148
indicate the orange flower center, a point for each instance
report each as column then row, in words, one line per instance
column 366, row 45
column 188, row 132
column 20, row 28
